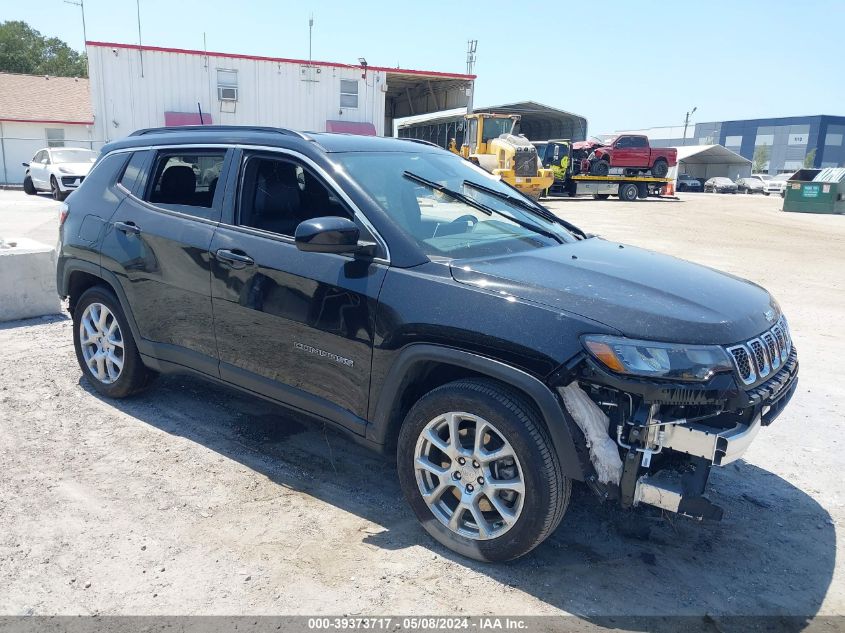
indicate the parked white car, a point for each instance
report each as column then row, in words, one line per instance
column 777, row 185
column 58, row 170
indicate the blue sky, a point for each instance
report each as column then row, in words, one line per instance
column 620, row 64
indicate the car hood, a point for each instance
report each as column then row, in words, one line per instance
column 639, row 293
column 74, row 169
column 587, row 145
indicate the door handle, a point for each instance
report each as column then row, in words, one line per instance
column 127, row 227
column 234, row 259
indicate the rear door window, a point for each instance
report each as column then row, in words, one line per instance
column 186, row 181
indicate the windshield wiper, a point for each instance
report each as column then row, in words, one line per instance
column 535, row 208
column 475, row 204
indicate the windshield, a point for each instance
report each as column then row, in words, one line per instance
column 604, row 139
column 73, row 156
column 443, row 226
column 494, row 128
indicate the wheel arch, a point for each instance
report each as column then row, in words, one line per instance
column 420, row 368
column 78, row 276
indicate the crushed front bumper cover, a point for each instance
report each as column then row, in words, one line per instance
column 667, row 461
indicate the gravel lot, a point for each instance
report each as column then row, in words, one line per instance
column 192, row 499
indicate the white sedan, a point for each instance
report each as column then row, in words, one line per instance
column 58, row 170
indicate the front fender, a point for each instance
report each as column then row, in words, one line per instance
column 558, row 421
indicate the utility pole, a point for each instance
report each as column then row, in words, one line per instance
column 81, row 5
column 140, row 45
column 686, row 122
column 310, row 28
column 472, row 45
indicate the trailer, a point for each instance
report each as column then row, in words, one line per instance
column 556, row 155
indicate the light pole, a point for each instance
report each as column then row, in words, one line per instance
column 81, row 5
column 686, row 122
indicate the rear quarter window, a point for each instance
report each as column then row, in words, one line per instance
column 134, row 175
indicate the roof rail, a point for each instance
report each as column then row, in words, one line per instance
column 219, row 128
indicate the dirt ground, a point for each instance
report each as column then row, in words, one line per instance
column 192, row 499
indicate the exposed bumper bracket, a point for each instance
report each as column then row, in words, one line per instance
column 665, row 491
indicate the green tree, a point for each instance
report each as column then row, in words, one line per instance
column 761, row 157
column 25, row 50
column 810, row 159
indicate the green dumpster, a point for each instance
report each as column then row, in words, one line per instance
column 816, row 191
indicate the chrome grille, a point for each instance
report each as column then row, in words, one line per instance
column 756, row 358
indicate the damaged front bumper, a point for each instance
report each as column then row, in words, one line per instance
column 668, row 436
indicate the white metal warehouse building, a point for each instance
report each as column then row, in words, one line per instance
column 135, row 87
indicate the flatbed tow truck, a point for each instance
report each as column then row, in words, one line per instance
column 556, row 154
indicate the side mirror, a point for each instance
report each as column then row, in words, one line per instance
column 25, row 164
column 330, row 234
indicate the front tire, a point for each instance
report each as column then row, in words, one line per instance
column 477, row 467
column 105, row 348
column 600, row 168
column 55, row 191
column 28, row 187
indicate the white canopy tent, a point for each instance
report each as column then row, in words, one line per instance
column 708, row 161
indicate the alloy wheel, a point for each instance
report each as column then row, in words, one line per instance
column 469, row 475
column 102, row 343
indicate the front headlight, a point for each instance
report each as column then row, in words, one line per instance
column 675, row 361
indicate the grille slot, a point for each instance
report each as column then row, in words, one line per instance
column 757, row 358
column 761, row 358
column 771, row 346
column 742, row 360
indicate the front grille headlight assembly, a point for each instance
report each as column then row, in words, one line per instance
column 652, row 359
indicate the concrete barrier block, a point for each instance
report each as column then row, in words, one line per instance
column 27, row 279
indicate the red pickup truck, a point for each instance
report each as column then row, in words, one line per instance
column 628, row 151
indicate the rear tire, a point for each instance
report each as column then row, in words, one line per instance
column 600, row 168
column 487, row 508
column 28, row 187
column 660, row 168
column 105, row 348
column 628, row 192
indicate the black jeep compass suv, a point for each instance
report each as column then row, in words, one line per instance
column 422, row 306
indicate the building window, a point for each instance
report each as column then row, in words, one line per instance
column 833, row 139
column 55, row 137
column 733, row 141
column 764, row 139
column 348, row 93
column 227, row 85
